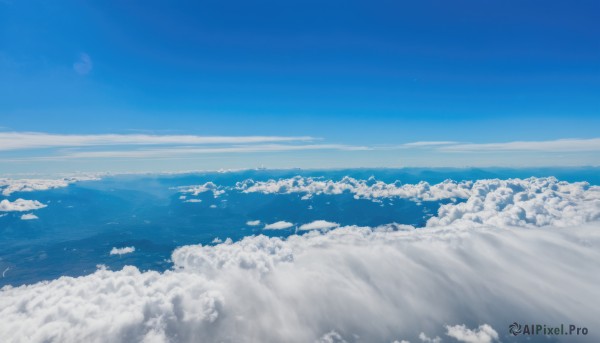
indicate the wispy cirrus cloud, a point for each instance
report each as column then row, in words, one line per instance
column 183, row 152
column 429, row 143
column 36, row 140
column 557, row 145
column 84, row 65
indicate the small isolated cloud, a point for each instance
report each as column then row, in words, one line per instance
column 29, row 216
column 20, row 205
column 319, row 225
column 84, row 65
column 280, row 225
column 193, row 200
column 253, row 223
column 484, row 334
column 122, row 251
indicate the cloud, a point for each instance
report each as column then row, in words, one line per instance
column 29, row 216
column 362, row 189
column 559, row 145
column 20, row 205
column 122, row 251
column 10, row 186
column 484, row 334
column 84, row 65
column 253, row 222
column 319, row 225
column 429, row 143
column 347, row 284
column 198, row 189
column 32, row 140
column 193, row 200
column 331, row 337
column 375, row 284
column 426, row 339
column 280, row 225
column 532, row 202
column 179, row 151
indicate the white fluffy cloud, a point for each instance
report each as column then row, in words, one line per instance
column 363, row 189
column 253, row 222
column 513, row 202
column 483, row 334
column 29, row 216
column 280, row 225
column 20, row 205
column 122, row 251
column 532, row 202
column 319, row 225
column 197, row 189
column 10, row 186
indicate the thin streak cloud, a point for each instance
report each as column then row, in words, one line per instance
column 429, row 143
column 557, row 145
column 182, row 152
column 35, row 140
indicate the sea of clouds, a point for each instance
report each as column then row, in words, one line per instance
column 515, row 250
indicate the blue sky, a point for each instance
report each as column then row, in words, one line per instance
column 361, row 79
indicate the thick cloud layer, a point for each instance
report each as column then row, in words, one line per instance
column 364, row 285
column 466, row 281
column 20, row 205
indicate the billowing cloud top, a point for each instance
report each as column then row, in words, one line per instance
column 305, row 287
column 523, row 203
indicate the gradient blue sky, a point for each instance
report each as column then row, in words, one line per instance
column 364, row 78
